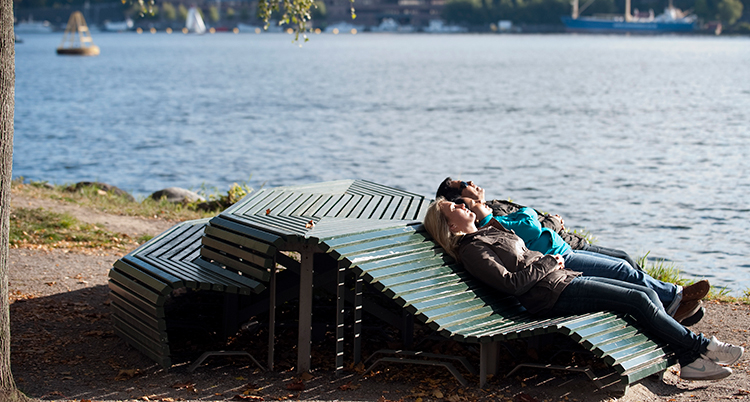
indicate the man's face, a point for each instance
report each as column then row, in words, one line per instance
column 469, row 189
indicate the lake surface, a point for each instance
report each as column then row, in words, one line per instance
column 643, row 141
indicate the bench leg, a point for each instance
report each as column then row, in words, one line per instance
column 487, row 362
column 340, row 298
column 271, row 316
column 305, row 311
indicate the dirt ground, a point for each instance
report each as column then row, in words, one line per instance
column 64, row 348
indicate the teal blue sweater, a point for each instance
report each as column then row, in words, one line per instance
column 525, row 223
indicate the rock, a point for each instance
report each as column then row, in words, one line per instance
column 102, row 186
column 177, row 195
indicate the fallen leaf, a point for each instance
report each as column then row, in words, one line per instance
column 349, row 387
column 296, row 386
column 268, row 212
column 306, row 376
column 248, row 397
column 436, row 393
column 127, row 374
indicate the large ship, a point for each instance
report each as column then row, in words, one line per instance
column 673, row 20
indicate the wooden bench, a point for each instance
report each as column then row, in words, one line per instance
column 142, row 281
column 373, row 233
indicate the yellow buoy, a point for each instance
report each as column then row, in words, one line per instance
column 77, row 38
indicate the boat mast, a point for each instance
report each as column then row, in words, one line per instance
column 628, row 16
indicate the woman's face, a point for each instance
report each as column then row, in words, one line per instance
column 469, row 189
column 478, row 207
column 458, row 215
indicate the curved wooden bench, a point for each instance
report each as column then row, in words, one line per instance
column 142, row 281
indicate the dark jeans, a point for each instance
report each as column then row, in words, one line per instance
column 592, row 294
column 612, row 253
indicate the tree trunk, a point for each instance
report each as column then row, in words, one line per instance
column 8, row 391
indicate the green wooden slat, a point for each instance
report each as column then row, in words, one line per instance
column 261, row 205
column 385, row 248
column 365, row 200
column 400, row 281
column 236, row 252
column 608, row 324
column 627, row 354
column 336, row 209
column 162, row 359
column 574, row 324
column 244, row 241
column 159, row 283
column 353, row 239
column 347, row 208
column 372, row 206
column 141, row 326
column 243, row 282
column 632, row 376
column 401, row 269
column 253, row 233
column 641, row 359
column 125, row 297
column 154, row 345
column 390, row 210
column 282, row 204
column 256, row 272
column 424, row 284
column 319, row 205
column 120, row 305
column 297, row 203
column 601, row 350
column 149, row 294
column 460, row 318
column 439, row 301
column 593, row 343
column 427, row 294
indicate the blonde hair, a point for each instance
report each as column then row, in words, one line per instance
column 438, row 227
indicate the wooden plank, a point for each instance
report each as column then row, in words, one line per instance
column 158, row 284
column 162, row 359
column 314, row 208
column 356, row 212
column 399, row 282
column 455, row 310
column 237, row 227
column 264, row 261
column 156, row 310
column 605, row 349
column 244, row 241
column 365, row 236
column 153, row 345
column 259, row 273
column 386, row 248
column 593, row 342
column 144, row 327
column 120, row 306
column 377, row 275
column 369, row 210
column 146, row 293
column 242, row 282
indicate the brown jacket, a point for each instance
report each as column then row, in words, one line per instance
column 499, row 258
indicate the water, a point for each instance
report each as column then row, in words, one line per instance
column 643, row 141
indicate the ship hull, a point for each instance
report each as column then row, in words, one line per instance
column 596, row 25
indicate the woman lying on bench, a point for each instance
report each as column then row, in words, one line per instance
column 543, row 285
column 684, row 304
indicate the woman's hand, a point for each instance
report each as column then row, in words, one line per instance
column 560, row 261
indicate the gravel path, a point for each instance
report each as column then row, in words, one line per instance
column 63, row 348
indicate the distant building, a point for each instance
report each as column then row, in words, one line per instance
column 417, row 13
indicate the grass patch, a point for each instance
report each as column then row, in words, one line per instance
column 41, row 228
column 123, row 204
column 668, row 272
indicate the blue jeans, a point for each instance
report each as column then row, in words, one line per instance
column 591, row 294
column 603, row 266
column 612, row 253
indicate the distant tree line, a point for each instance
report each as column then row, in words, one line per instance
column 484, row 12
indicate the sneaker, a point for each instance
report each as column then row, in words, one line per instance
column 695, row 318
column 687, row 309
column 704, row 369
column 696, row 291
column 723, row 353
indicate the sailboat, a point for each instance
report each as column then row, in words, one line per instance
column 77, row 38
column 194, row 22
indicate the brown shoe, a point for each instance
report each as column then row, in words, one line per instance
column 696, row 291
column 695, row 318
column 687, row 309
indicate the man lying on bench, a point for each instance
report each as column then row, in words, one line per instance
column 684, row 304
column 546, row 286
